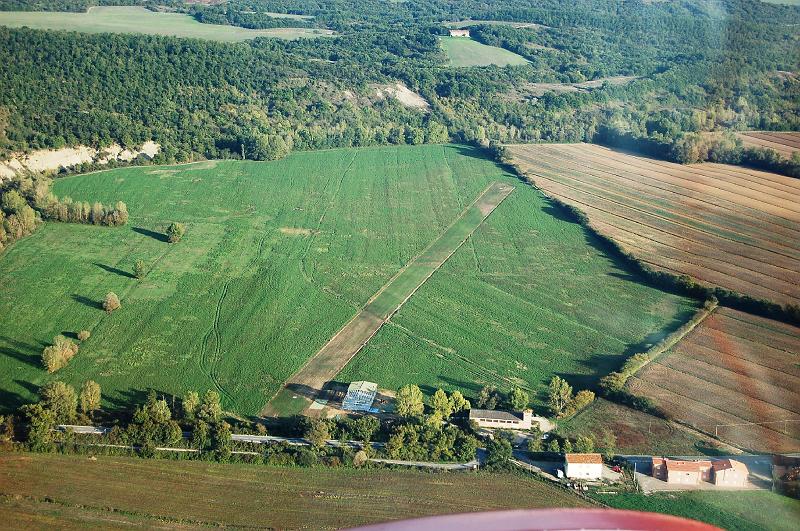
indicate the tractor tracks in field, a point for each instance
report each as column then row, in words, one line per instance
column 210, row 361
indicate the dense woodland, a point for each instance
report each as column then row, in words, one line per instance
column 695, row 66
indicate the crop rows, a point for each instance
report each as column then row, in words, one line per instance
column 784, row 143
column 722, row 225
column 732, row 369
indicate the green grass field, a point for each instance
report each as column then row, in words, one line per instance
column 140, row 20
column 733, row 511
column 462, row 52
column 117, row 492
column 279, row 255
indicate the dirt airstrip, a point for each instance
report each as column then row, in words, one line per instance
column 323, row 367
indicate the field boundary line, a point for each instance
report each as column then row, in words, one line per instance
column 383, row 317
column 427, row 247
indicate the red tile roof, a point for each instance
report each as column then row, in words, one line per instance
column 687, row 466
column 594, row 459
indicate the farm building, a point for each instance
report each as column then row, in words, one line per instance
column 459, row 33
column 729, row 473
column 583, row 466
column 681, row 472
column 783, row 464
column 510, row 420
column 360, row 396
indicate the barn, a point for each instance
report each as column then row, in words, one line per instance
column 729, row 473
column 459, row 33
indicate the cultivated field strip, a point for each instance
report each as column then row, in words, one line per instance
column 732, row 369
column 722, row 225
column 347, row 342
column 785, row 143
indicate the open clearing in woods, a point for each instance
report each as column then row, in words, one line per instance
column 723, row 225
column 785, row 143
column 118, row 492
column 463, row 52
column 733, row 369
column 131, row 19
column 278, row 256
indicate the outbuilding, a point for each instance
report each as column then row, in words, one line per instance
column 583, row 466
column 509, row 420
column 729, row 473
column 680, row 472
column 360, row 396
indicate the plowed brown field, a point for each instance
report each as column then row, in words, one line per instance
column 784, row 143
column 735, row 375
column 722, row 225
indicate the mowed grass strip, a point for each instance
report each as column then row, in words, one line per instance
column 736, row 376
column 346, row 343
column 745, row 240
column 132, row 19
column 195, row 493
column 465, row 52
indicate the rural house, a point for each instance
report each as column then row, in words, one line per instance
column 583, row 466
column 680, row 472
column 729, row 473
column 509, row 420
column 360, row 396
column 783, row 464
column 459, row 33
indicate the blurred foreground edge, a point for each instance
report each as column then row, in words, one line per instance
column 550, row 519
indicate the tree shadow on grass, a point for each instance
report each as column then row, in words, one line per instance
column 114, row 270
column 151, row 233
column 31, row 388
column 21, row 351
column 91, row 303
column 10, row 401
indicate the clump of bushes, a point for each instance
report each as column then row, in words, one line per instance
column 57, row 355
column 111, row 302
column 561, row 400
column 83, row 335
column 71, row 211
column 139, row 269
column 175, row 232
column 612, row 385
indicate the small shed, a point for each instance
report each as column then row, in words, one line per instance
column 459, row 33
column 729, row 473
column 360, row 396
column 583, row 466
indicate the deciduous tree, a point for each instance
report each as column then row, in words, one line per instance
column 409, row 401
column 111, row 302
column 90, row 397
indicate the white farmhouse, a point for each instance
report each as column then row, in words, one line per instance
column 583, row 466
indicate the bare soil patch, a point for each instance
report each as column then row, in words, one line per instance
column 722, row 225
column 728, row 378
column 53, row 160
column 785, row 143
column 403, row 94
